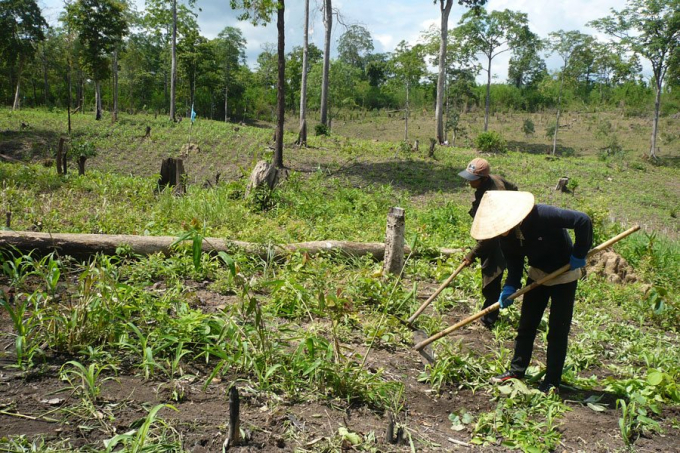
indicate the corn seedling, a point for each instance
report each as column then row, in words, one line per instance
column 86, row 381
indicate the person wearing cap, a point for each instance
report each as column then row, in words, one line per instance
column 538, row 233
column 478, row 174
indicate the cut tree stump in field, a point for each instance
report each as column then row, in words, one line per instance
column 85, row 245
column 148, row 132
column 173, row 175
column 264, row 175
column 430, row 152
column 562, row 184
column 394, row 241
column 60, row 155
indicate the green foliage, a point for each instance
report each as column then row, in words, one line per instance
column 524, row 419
column 528, row 127
column 490, row 142
column 83, row 148
column 321, row 129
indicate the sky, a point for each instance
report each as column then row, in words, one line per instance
column 389, row 21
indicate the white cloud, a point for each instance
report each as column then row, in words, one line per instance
column 386, row 41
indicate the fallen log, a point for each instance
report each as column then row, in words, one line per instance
column 84, row 245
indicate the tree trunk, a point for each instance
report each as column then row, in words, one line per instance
column 328, row 24
column 15, row 105
column 406, row 115
column 557, row 118
column 98, row 99
column 84, row 245
column 173, row 67
column 114, row 113
column 280, row 86
column 302, row 134
column 46, row 84
column 487, row 102
column 226, row 105
column 445, row 9
column 68, row 100
column 655, row 123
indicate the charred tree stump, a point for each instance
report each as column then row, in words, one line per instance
column 433, row 143
column 64, row 161
column 234, row 434
column 173, row 175
column 8, row 220
column 60, row 156
column 81, row 165
column 394, row 241
column 148, row 132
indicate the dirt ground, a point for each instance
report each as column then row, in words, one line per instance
column 33, row 405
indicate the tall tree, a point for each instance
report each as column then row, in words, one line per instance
column 354, row 45
column 327, row 10
column 651, row 29
column 22, row 27
column 232, row 52
column 445, row 10
column 492, row 34
column 302, row 133
column 100, row 25
column 566, row 44
column 409, row 66
column 259, row 12
column 173, row 59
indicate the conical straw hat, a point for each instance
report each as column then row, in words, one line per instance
column 499, row 211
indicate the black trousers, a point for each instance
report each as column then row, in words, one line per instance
column 491, row 292
column 559, row 323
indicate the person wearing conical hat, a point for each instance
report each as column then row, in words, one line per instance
column 478, row 174
column 538, row 233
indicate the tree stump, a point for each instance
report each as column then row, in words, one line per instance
column 394, row 241
column 416, row 145
column 562, row 184
column 60, row 156
column 148, row 132
column 433, row 143
column 173, row 175
column 264, row 175
column 81, row 165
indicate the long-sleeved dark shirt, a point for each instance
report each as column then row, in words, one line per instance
column 545, row 241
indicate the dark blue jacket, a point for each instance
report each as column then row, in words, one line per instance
column 546, row 243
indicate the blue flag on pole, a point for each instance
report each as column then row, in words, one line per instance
column 193, row 114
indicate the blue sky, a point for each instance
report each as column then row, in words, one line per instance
column 389, row 21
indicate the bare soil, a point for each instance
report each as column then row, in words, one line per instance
column 36, row 405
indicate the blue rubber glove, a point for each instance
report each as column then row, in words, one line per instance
column 507, row 292
column 576, row 263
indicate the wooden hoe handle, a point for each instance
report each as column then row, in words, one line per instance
column 446, row 283
column 526, row 289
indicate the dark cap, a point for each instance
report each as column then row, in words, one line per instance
column 476, row 169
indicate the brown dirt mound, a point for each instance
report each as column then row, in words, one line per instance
column 612, row 266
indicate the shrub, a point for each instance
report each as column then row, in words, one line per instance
column 528, row 127
column 490, row 142
column 321, row 129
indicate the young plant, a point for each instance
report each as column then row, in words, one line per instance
column 86, row 381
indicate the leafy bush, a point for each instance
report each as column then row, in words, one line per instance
column 490, row 142
column 321, row 129
column 528, row 127
column 83, row 148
